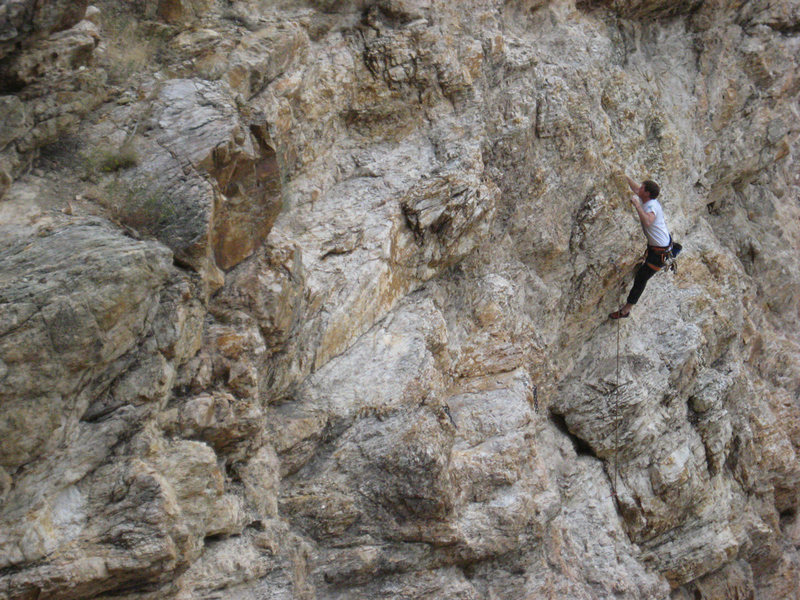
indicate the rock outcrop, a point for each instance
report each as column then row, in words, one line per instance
column 308, row 300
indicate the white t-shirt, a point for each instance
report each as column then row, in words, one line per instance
column 657, row 234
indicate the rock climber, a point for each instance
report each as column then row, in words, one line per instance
column 659, row 240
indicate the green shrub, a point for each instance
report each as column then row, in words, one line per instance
column 106, row 159
column 145, row 208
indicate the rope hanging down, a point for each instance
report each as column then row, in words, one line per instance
column 616, row 433
column 616, row 403
column 616, row 419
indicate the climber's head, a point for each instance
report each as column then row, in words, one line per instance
column 649, row 190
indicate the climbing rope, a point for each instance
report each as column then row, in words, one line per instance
column 616, row 418
column 616, row 400
column 616, row 427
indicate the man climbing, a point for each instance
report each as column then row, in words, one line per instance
column 659, row 241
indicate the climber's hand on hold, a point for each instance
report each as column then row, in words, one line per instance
column 620, row 181
column 631, row 183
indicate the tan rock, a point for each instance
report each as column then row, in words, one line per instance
column 62, row 52
column 224, row 422
column 261, row 479
column 191, row 472
column 175, row 11
column 260, row 57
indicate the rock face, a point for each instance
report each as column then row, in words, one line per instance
column 312, row 305
column 47, row 84
column 24, row 21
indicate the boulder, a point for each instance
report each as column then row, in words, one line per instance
column 24, row 21
column 214, row 182
column 75, row 302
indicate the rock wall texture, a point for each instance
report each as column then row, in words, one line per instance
column 307, row 300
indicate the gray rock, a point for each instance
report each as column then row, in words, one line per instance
column 22, row 21
column 16, row 120
column 75, row 301
column 200, row 170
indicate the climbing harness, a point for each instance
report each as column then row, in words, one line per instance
column 664, row 255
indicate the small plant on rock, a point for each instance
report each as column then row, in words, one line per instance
column 110, row 161
column 107, row 159
column 133, row 43
column 145, row 208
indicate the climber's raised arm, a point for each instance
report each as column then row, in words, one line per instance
column 633, row 185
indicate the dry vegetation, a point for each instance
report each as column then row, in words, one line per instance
column 109, row 159
column 140, row 206
column 131, row 44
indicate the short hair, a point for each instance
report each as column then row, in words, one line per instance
column 652, row 188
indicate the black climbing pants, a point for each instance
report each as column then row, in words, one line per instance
column 651, row 265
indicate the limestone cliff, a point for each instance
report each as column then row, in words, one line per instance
column 307, row 300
